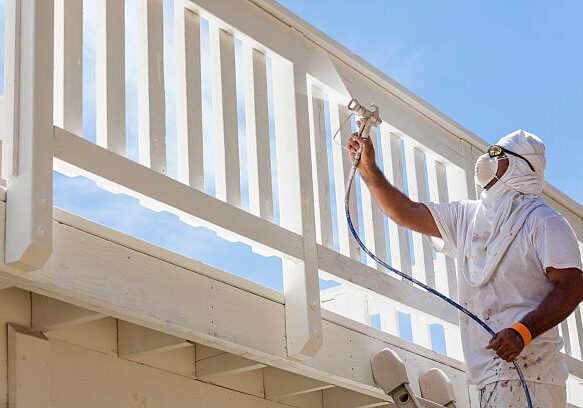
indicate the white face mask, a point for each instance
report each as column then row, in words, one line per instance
column 485, row 170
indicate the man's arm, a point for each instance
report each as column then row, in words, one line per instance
column 393, row 202
column 556, row 307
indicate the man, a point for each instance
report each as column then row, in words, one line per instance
column 518, row 264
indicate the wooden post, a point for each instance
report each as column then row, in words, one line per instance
column 296, row 200
column 30, row 186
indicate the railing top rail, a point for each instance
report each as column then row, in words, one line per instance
column 390, row 85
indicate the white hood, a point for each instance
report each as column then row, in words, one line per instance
column 504, row 208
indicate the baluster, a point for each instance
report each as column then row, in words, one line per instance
column 566, row 336
column 438, row 193
column 110, row 75
column 342, row 164
column 296, row 200
column 222, row 49
column 574, row 335
column 393, row 162
column 320, row 169
column 257, row 132
column 189, row 137
column 388, row 317
column 579, row 329
column 418, row 192
column 460, row 181
column 420, row 331
column 151, row 98
column 68, row 60
column 373, row 220
column 453, row 342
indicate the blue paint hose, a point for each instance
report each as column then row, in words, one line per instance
column 413, row 280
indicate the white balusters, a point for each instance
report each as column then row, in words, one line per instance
column 393, row 162
column 68, row 60
column 372, row 219
column 418, row 192
column 257, row 132
column 189, row 137
column 388, row 317
column 222, row 49
column 342, row 164
column 110, row 75
column 151, row 97
column 320, row 169
column 438, row 192
column 574, row 334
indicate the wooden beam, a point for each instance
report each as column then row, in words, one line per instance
column 383, row 284
column 342, row 398
column 281, row 384
column 51, row 314
column 212, row 212
column 29, row 372
column 134, row 340
column 224, row 364
column 30, row 141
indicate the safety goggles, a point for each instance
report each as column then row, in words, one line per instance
column 496, row 151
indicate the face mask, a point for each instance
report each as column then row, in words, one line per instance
column 485, row 171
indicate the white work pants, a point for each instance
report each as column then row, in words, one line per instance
column 510, row 394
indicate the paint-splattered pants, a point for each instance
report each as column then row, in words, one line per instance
column 510, row 394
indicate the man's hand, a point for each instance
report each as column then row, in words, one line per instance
column 508, row 344
column 367, row 157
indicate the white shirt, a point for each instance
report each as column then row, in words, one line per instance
column 517, row 287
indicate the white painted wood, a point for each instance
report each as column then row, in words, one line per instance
column 134, row 340
column 388, row 317
column 68, row 73
column 211, row 212
column 224, row 364
column 51, row 314
column 98, row 335
column 257, row 133
column 373, row 220
column 320, row 178
column 420, row 331
column 301, row 286
column 438, row 192
column 179, row 361
column 393, row 163
column 579, row 328
column 460, row 181
column 574, row 335
column 189, row 136
column 11, row 97
column 226, row 129
column 308, row 400
column 280, row 384
column 151, row 94
column 342, row 398
column 110, row 119
column 28, row 368
column 453, row 342
column 249, row 382
column 28, row 208
column 384, row 284
column 415, row 163
column 566, row 337
column 342, row 164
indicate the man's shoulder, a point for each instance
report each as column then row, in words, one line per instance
column 543, row 213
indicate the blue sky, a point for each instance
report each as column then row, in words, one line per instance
column 493, row 67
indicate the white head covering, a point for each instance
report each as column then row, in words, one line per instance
column 504, row 208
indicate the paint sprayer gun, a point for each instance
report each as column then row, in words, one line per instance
column 368, row 119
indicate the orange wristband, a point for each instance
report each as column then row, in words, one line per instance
column 523, row 331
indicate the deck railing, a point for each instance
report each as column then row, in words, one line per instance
column 311, row 79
